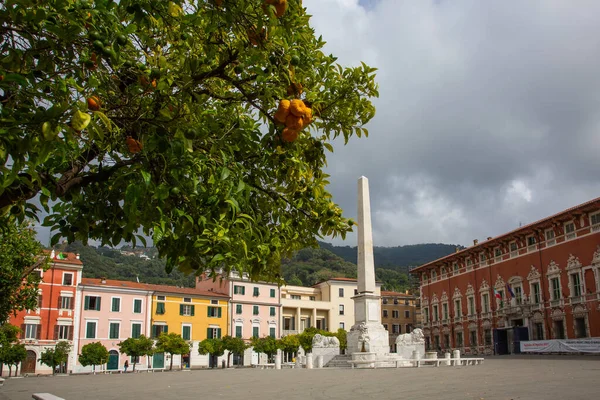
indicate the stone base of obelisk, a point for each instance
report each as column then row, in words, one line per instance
column 378, row 339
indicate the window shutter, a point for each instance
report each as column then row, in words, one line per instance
column 39, row 331
column 39, row 301
column 86, row 305
column 218, row 333
column 56, row 332
column 70, row 328
column 219, row 312
column 98, row 299
column 154, row 329
column 193, row 310
column 166, row 329
column 181, row 309
column 243, row 290
column 23, row 328
column 208, row 311
column 209, row 333
column 60, row 302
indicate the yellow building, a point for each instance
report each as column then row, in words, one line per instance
column 194, row 314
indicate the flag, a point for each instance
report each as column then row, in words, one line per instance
column 61, row 256
column 497, row 294
column 510, row 291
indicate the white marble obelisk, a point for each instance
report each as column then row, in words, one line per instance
column 367, row 333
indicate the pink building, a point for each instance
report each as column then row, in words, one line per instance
column 112, row 311
column 254, row 308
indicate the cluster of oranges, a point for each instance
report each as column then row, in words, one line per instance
column 295, row 115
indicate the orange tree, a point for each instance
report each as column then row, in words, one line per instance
column 142, row 118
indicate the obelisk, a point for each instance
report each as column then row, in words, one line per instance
column 367, row 333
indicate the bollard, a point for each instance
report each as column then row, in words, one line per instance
column 277, row 361
column 416, row 355
column 303, row 360
column 319, row 361
column 298, row 362
column 447, row 357
column 309, row 361
column 456, row 356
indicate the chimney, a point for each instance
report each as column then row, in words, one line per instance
column 103, row 279
column 52, row 254
column 475, row 241
column 406, row 292
column 489, row 238
column 456, row 249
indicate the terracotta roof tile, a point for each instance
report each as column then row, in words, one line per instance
column 150, row 287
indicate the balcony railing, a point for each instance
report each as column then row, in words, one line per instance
column 577, row 299
column 571, row 236
column 556, row 303
column 596, row 228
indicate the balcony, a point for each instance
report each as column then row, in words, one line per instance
column 486, row 315
column 557, row 303
column 472, row 317
column 458, row 319
column 446, row 321
column 577, row 299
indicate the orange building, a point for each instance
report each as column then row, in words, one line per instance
column 400, row 313
column 56, row 316
column 538, row 282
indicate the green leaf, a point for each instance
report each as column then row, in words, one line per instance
column 225, row 173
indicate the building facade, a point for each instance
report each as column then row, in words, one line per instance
column 57, row 314
column 111, row 312
column 541, row 281
column 399, row 314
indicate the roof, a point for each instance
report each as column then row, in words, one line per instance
column 342, row 279
column 506, row 235
column 396, row 294
column 69, row 258
column 150, row 287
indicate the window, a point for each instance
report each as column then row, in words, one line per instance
column 160, row 308
column 215, row 302
column 158, row 330
column 497, row 252
column 239, row 290
column 116, row 304
column 559, row 329
column 161, row 298
column 395, row 328
column 549, row 234
column 255, row 332
column 459, row 339
column 272, row 293
column 482, row 257
column 433, row 275
column 385, row 300
column 32, row 331
column 66, row 303
column 254, row 310
column 469, row 262
column 213, row 333
column 570, row 230
column 487, row 337
column 137, row 306
column 513, row 248
column 272, row 311
column 595, row 222
column 136, row 330
column 538, row 331
column 341, row 309
column 186, row 332
column 113, row 330
column 455, row 267
column 471, row 305
column 473, row 338
column 214, row 312
column 555, row 282
column 238, row 331
column 238, row 308
column 406, row 314
column 342, row 325
column 355, row 292
column 90, row 330
column 385, row 313
column 312, row 298
column 580, row 329
column 426, row 310
column 457, row 309
column 188, row 310
column 64, row 332
column 135, row 359
column 189, row 300
column 296, row 297
column 486, row 302
column 445, row 311
column 272, row 332
column 518, row 294
column 39, row 301
column 256, row 292
column 436, row 316
column 67, row 279
column 395, row 301
column 531, row 241
column 92, row 303
column 395, row 314
column 535, row 290
column 341, row 292
column 576, row 284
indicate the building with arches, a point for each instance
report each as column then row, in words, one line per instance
column 538, row 282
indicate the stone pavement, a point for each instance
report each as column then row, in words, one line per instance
column 531, row 377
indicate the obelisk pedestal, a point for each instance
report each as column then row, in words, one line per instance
column 367, row 335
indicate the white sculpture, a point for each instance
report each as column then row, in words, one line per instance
column 320, row 341
column 413, row 338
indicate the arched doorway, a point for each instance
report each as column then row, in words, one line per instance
column 113, row 360
column 28, row 366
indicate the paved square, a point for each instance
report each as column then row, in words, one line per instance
column 528, row 378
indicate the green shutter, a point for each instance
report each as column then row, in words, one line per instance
column 86, row 303
column 98, row 300
column 255, row 310
column 135, row 331
column 272, row 332
column 272, row 311
column 272, row 292
column 166, row 329
column 238, row 331
column 90, row 332
column 193, row 310
column 218, row 333
column 181, row 309
column 243, row 290
column 185, row 333
column 208, row 311
column 254, row 331
column 219, row 312
column 209, row 333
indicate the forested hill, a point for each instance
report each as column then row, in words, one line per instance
column 398, row 258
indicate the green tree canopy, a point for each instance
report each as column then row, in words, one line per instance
column 161, row 118
column 342, row 336
column 93, row 354
column 307, row 335
column 172, row 343
column 137, row 347
column 234, row 345
column 11, row 352
column 20, row 255
column 213, row 347
column 289, row 343
column 56, row 356
column 267, row 345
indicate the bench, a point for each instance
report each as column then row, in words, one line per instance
column 362, row 362
column 264, row 366
column 155, row 369
column 46, row 396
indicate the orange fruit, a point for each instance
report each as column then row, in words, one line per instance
column 93, row 103
column 283, row 111
column 154, row 83
column 280, row 9
column 307, row 116
column 134, row 146
column 297, row 107
column 289, row 135
column 294, row 122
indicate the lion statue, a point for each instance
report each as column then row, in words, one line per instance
column 325, row 341
column 407, row 339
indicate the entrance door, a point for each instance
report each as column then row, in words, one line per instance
column 113, row 360
column 158, row 360
column 28, row 366
column 521, row 333
column 500, row 341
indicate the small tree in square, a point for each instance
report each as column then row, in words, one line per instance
column 56, row 356
column 13, row 355
column 172, row 343
column 212, row 347
column 267, row 345
column 137, row 347
column 234, row 345
column 93, row 354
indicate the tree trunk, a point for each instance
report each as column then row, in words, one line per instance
column 17, row 369
column 171, row 366
column 228, row 358
column 134, row 364
column 9, row 370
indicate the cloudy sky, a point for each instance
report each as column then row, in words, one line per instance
column 488, row 115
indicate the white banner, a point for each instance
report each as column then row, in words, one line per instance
column 591, row 345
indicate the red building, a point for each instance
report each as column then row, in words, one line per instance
column 538, row 282
column 56, row 315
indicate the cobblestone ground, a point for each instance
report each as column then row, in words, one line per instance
column 567, row 378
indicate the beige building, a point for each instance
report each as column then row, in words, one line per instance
column 327, row 305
